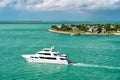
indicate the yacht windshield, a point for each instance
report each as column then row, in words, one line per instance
column 46, row 50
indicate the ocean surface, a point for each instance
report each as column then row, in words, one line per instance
column 95, row 57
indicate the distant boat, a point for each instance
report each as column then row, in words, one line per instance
column 48, row 55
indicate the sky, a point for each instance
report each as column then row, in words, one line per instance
column 59, row 10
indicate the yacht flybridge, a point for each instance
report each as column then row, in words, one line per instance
column 47, row 55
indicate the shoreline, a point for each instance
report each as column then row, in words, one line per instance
column 87, row 34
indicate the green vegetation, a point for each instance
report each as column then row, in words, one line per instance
column 88, row 28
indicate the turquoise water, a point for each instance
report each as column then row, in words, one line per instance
column 96, row 57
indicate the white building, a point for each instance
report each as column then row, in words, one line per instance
column 75, row 28
column 103, row 30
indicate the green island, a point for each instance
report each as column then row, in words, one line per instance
column 86, row 29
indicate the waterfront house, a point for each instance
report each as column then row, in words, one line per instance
column 112, row 26
column 59, row 26
column 95, row 29
column 90, row 29
column 75, row 29
column 103, row 30
column 118, row 30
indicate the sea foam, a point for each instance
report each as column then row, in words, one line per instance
column 96, row 66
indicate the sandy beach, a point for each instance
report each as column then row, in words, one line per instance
column 91, row 34
column 61, row 32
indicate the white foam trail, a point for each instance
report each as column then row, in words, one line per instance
column 97, row 66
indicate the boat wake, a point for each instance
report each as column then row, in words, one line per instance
column 96, row 66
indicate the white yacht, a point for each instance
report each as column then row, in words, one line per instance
column 47, row 55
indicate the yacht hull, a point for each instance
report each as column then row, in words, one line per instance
column 39, row 60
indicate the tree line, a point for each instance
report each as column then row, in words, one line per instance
column 86, row 27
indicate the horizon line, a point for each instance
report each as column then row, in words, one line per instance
column 64, row 22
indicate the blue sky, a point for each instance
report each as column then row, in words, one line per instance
column 59, row 10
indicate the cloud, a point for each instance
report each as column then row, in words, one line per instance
column 4, row 3
column 61, row 5
column 103, row 4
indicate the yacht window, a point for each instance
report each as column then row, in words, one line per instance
column 36, row 57
column 31, row 57
column 55, row 54
column 46, row 50
column 45, row 53
column 48, row 58
column 63, row 58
